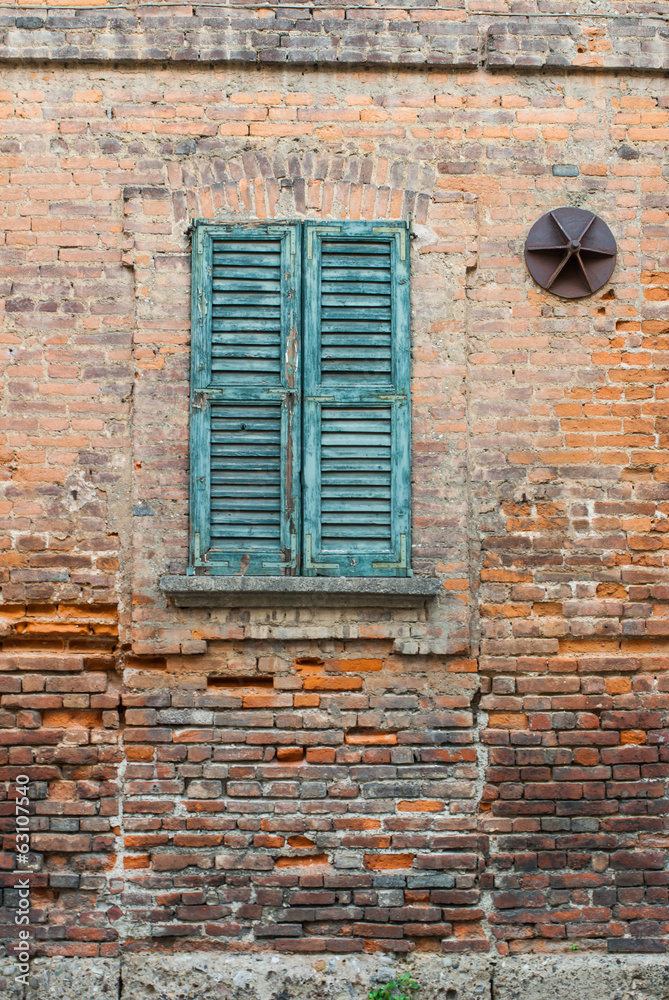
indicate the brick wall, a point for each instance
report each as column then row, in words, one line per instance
column 486, row 774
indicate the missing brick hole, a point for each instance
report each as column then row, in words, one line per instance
column 309, row 661
column 146, row 663
column 33, row 645
column 451, row 995
column 474, row 706
column 226, row 683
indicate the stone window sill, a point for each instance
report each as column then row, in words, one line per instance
column 299, row 591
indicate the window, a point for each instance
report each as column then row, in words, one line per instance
column 300, row 399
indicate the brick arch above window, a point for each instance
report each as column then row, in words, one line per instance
column 223, row 183
column 355, row 186
column 260, row 185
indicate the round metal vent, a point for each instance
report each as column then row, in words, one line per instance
column 570, row 252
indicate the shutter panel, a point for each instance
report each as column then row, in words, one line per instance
column 245, row 411
column 356, row 401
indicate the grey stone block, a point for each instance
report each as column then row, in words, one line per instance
column 29, row 23
column 391, row 789
column 565, row 170
column 430, row 881
column 313, row 790
column 64, row 881
column 389, row 881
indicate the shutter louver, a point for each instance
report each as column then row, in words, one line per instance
column 356, row 399
column 245, row 416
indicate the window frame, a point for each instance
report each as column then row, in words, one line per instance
column 301, row 361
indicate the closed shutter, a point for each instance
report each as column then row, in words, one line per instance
column 356, row 452
column 245, row 411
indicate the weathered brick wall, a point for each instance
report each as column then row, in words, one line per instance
column 489, row 773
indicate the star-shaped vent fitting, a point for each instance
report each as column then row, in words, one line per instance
column 570, row 252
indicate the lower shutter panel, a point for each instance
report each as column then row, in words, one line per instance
column 356, row 478
column 245, row 508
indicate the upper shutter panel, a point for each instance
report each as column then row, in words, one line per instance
column 356, row 399
column 246, row 311
column 245, row 416
column 356, row 311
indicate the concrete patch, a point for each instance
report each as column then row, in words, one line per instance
column 582, row 977
column 9, row 988
column 269, row 976
column 73, row 979
column 276, row 977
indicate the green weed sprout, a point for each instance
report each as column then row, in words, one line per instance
column 396, row 989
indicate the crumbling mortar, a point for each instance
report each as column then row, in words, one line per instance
column 474, row 535
column 479, row 723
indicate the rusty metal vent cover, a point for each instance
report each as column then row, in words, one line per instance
column 570, row 252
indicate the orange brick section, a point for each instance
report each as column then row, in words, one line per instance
column 486, row 773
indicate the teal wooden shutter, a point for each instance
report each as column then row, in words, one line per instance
column 356, row 450
column 245, row 409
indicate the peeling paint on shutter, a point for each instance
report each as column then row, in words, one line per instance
column 356, row 402
column 246, row 311
column 245, row 414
